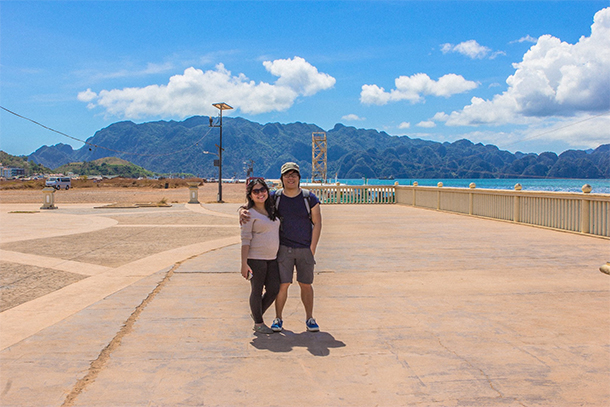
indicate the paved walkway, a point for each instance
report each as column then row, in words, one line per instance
column 144, row 307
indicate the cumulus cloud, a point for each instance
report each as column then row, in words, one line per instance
column 554, row 78
column 471, row 49
column 404, row 125
column 426, row 124
column 194, row 91
column 353, row 118
column 87, row 95
column 414, row 88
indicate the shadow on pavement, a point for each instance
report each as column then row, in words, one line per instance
column 317, row 343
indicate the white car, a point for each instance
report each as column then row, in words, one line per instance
column 59, row 183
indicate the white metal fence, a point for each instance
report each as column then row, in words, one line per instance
column 365, row 194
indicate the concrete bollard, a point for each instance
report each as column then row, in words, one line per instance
column 48, row 198
column 193, row 192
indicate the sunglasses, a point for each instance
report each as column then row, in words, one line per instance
column 257, row 179
column 258, row 191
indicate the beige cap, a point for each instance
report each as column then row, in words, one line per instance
column 290, row 167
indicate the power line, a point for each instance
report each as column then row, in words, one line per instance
column 554, row 130
column 106, row 148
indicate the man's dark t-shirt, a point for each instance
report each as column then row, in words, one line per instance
column 296, row 227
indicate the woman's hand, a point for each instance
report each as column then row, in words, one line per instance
column 245, row 269
column 244, row 216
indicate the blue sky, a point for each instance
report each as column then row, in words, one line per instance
column 523, row 75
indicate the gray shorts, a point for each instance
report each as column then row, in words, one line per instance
column 302, row 258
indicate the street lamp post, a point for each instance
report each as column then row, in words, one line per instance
column 221, row 107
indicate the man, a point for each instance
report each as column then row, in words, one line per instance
column 299, row 236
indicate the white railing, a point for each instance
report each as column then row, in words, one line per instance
column 361, row 194
column 576, row 212
column 585, row 213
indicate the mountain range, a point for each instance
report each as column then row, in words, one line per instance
column 190, row 146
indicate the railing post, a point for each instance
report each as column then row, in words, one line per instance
column 415, row 184
column 438, row 196
column 471, row 199
column 394, row 196
column 585, row 210
column 517, row 207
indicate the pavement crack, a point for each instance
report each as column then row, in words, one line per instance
column 403, row 362
column 489, row 381
column 102, row 360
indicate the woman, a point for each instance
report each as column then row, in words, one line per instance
column 259, row 245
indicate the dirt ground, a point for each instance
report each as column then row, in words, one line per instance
column 208, row 193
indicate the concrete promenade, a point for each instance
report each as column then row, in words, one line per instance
column 145, row 307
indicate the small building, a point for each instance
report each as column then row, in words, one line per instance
column 12, row 172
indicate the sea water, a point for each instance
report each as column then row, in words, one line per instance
column 600, row 186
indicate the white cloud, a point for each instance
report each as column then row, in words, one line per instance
column 427, row 124
column 583, row 131
column 404, row 125
column 553, row 79
column 353, row 117
column 496, row 54
column 194, row 91
column 527, row 38
column 374, row 95
column 87, row 96
column 471, row 49
column 413, row 88
column 150, row 69
column 299, row 75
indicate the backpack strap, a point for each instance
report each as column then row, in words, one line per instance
column 306, row 199
column 278, row 195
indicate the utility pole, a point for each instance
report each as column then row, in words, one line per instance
column 221, row 107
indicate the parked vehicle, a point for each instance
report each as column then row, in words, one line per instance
column 59, row 183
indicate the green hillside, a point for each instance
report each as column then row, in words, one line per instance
column 30, row 167
column 106, row 166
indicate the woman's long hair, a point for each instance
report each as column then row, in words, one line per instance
column 269, row 203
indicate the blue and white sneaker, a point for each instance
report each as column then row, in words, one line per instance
column 276, row 326
column 312, row 326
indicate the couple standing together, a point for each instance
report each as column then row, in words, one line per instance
column 280, row 230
